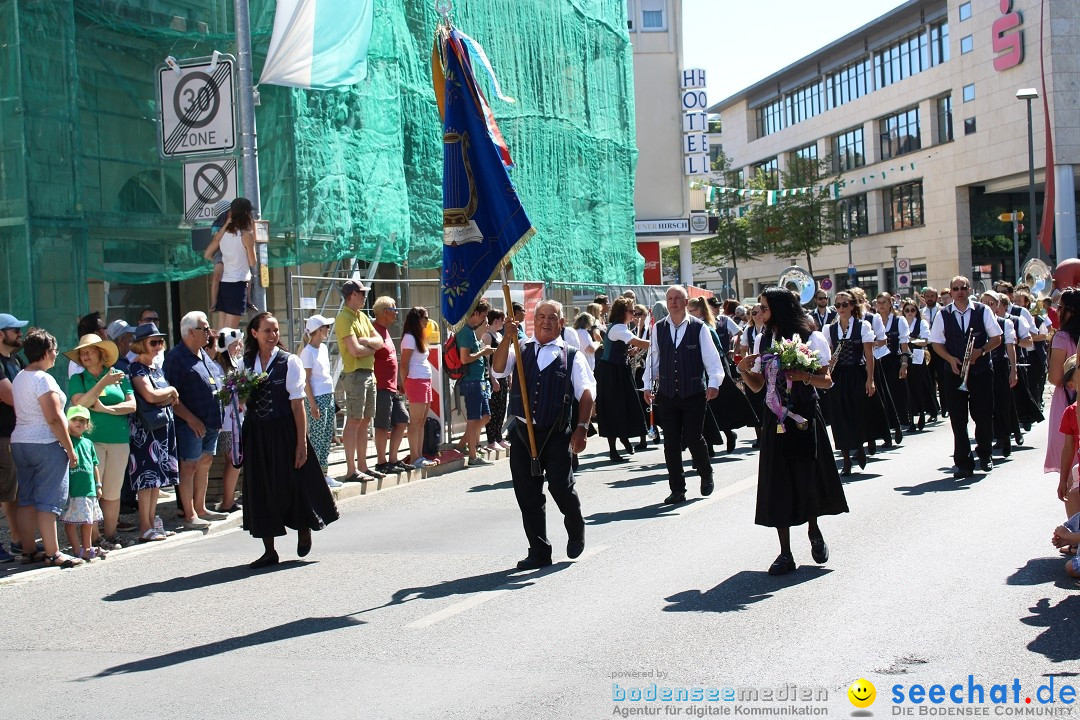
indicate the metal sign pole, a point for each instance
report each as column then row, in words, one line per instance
column 249, row 146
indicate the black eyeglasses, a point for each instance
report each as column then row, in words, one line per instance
column 156, row 343
column 960, row 288
column 843, row 304
column 150, row 319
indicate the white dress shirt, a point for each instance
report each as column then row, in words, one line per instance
column 817, row 341
column 581, row 376
column 866, row 333
column 937, row 330
column 921, row 326
column 710, row 356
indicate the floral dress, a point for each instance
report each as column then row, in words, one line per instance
column 152, row 463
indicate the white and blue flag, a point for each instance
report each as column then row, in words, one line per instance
column 318, row 44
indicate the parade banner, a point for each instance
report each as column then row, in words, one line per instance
column 484, row 223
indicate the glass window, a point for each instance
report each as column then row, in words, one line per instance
column 969, row 126
column 899, row 133
column 736, row 178
column 903, row 206
column 939, row 43
column 944, row 110
column 852, row 216
column 770, row 118
column 848, row 150
column 630, row 13
column 803, row 103
column 902, row 59
column 849, row 83
column 965, row 11
column 652, row 15
column 969, row 92
column 770, row 168
column 967, row 44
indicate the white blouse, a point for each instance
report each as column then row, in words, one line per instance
column 294, row 379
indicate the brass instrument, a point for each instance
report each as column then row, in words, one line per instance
column 799, row 282
column 965, row 366
column 1037, row 275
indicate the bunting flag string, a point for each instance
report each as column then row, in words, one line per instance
column 712, row 192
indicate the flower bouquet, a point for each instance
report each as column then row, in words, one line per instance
column 782, row 356
column 236, row 389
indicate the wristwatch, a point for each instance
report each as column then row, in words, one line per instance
column 583, row 425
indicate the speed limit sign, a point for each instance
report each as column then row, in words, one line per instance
column 195, row 106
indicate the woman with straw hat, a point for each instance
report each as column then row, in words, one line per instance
column 107, row 394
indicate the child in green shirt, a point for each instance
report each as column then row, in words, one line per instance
column 83, row 512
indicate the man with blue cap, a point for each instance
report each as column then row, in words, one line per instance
column 10, row 365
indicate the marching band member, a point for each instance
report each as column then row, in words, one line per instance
column 822, row 314
column 894, row 364
column 964, row 324
column 1003, row 358
column 618, row 409
column 851, row 340
column 921, row 394
column 685, row 368
column 886, row 428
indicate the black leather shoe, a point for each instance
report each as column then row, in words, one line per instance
column 629, row 448
column 574, row 548
column 617, row 458
column 782, row 565
column 731, row 440
column 819, row 550
column 533, row 563
column 873, row 447
column 675, row 498
column 1019, row 438
column 922, row 422
column 986, row 464
column 963, row 472
column 846, row 469
column 860, row 457
column 642, row 447
column 707, row 486
column 898, row 436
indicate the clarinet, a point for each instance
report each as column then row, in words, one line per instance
column 836, row 355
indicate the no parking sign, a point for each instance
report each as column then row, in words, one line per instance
column 209, row 188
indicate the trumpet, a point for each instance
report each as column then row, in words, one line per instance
column 965, row 366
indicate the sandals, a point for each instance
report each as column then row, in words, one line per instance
column 62, row 561
column 93, row 553
column 32, row 557
column 151, row 535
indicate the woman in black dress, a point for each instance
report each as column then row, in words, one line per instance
column 797, row 479
column 851, row 340
column 922, row 400
column 283, row 483
column 748, row 346
column 730, row 409
column 618, row 410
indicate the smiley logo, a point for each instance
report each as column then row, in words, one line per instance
column 862, row 693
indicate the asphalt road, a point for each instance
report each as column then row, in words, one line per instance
column 409, row 607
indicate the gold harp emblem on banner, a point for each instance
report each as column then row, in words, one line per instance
column 459, row 192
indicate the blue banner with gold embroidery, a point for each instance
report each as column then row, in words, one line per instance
column 484, row 223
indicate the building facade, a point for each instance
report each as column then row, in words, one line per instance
column 918, row 113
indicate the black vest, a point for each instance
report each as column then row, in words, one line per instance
column 956, row 339
column 270, row 401
column 892, row 335
column 822, row 321
column 852, row 351
column 551, row 391
column 1016, row 312
column 724, row 334
column 1040, row 345
column 681, row 371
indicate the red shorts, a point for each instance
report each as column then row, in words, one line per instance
column 418, row 390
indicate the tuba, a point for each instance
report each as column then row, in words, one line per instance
column 1037, row 275
column 799, row 282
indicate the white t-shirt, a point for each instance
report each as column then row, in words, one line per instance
column 866, row 333
column 620, row 331
column 30, row 423
column 234, row 258
column 317, row 360
column 419, row 367
column 588, row 346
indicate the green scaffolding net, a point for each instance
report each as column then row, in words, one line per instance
column 352, row 172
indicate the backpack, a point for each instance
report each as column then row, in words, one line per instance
column 432, row 436
column 452, row 364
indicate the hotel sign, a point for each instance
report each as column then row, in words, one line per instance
column 695, row 123
column 662, row 227
column 1008, row 40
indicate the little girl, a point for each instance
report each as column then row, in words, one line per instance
column 319, row 391
column 84, row 488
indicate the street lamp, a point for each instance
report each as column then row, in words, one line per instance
column 1030, row 94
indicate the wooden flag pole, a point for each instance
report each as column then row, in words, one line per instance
column 534, row 453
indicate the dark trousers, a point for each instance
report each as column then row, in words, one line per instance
column 979, row 402
column 938, row 371
column 683, row 420
column 529, row 490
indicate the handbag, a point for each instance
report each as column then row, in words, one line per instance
column 153, row 417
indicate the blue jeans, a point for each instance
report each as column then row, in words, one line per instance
column 42, row 469
column 190, row 448
column 477, row 399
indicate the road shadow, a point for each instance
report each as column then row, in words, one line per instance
column 636, row 481
column 1058, row 642
column 504, row 485
column 210, row 578
column 858, row 476
column 945, row 484
column 639, row 513
column 287, row 631
column 742, row 590
column 1039, row 571
column 508, row 579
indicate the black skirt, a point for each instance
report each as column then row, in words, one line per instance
column 1027, row 410
column 921, row 391
column 881, row 416
column 618, row 408
column 848, row 406
column 797, row 477
column 277, row 495
column 898, row 391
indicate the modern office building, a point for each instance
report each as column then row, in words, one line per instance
column 918, row 112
